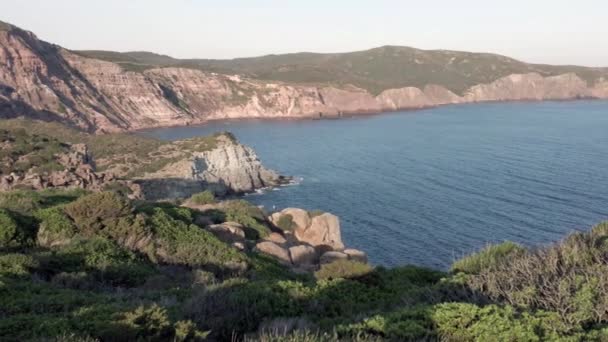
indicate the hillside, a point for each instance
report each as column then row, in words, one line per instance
column 374, row 70
column 81, row 266
column 102, row 91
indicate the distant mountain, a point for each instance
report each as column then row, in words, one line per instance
column 375, row 70
column 103, row 91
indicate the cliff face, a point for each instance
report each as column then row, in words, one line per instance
column 227, row 167
column 38, row 79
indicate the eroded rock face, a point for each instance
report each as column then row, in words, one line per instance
column 41, row 80
column 226, row 169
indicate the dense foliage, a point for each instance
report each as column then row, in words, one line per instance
column 84, row 267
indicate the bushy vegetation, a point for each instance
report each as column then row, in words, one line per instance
column 21, row 151
column 487, row 257
column 245, row 213
column 202, row 198
column 346, row 269
column 100, row 267
column 286, row 222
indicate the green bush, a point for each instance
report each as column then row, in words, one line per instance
column 343, row 269
column 8, row 228
column 180, row 243
column 468, row 322
column 103, row 259
column 488, row 257
column 55, row 227
column 250, row 216
column 97, row 211
column 16, row 264
column 202, row 198
column 286, row 222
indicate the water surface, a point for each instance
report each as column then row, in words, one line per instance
column 425, row 187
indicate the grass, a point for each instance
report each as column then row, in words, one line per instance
column 202, row 198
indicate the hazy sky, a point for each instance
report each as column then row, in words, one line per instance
column 544, row 31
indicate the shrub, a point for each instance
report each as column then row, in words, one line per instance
column 407, row 324
column 202, row 198
column 488, row 257
column 343, row 269
column 180, row 243
column 8, row 228
column 55, row 227
column 97, row 211
column 286, row 222
column 16, row 264
column 250, row 216
column 104, row 260
column 570, row 278
column 468, row 322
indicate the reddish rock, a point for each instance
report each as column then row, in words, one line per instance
column 324, row 230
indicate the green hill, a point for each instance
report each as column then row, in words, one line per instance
column 374, row 70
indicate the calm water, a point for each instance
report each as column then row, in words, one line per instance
column 425, row 187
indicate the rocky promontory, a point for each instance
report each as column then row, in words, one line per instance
column 39, row 156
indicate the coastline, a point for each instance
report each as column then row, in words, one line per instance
column 353, row 115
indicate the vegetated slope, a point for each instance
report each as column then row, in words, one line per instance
column 375, row 70
column 98, row 266
column 36, row 155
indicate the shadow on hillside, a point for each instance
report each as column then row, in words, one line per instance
column 403, row 297
column 170, row 188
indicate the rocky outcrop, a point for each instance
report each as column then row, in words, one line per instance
column 309, row 241
column 227, row 168
column 77, row 173
column 323, row 232
column 41, row 80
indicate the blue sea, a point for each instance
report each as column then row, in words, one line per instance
column 427, row 187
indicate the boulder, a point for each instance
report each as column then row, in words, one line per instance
column 324, row 230
column 229, row 232
column 329, row 257
column 276, row 238
column 303, row 255
column 272, row 249
column 356, row 255
column 299, row 217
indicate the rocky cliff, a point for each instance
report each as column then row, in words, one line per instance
column 41, row 80
column 36, row 155
column 227, row 167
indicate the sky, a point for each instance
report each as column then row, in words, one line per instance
column 538, row 31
